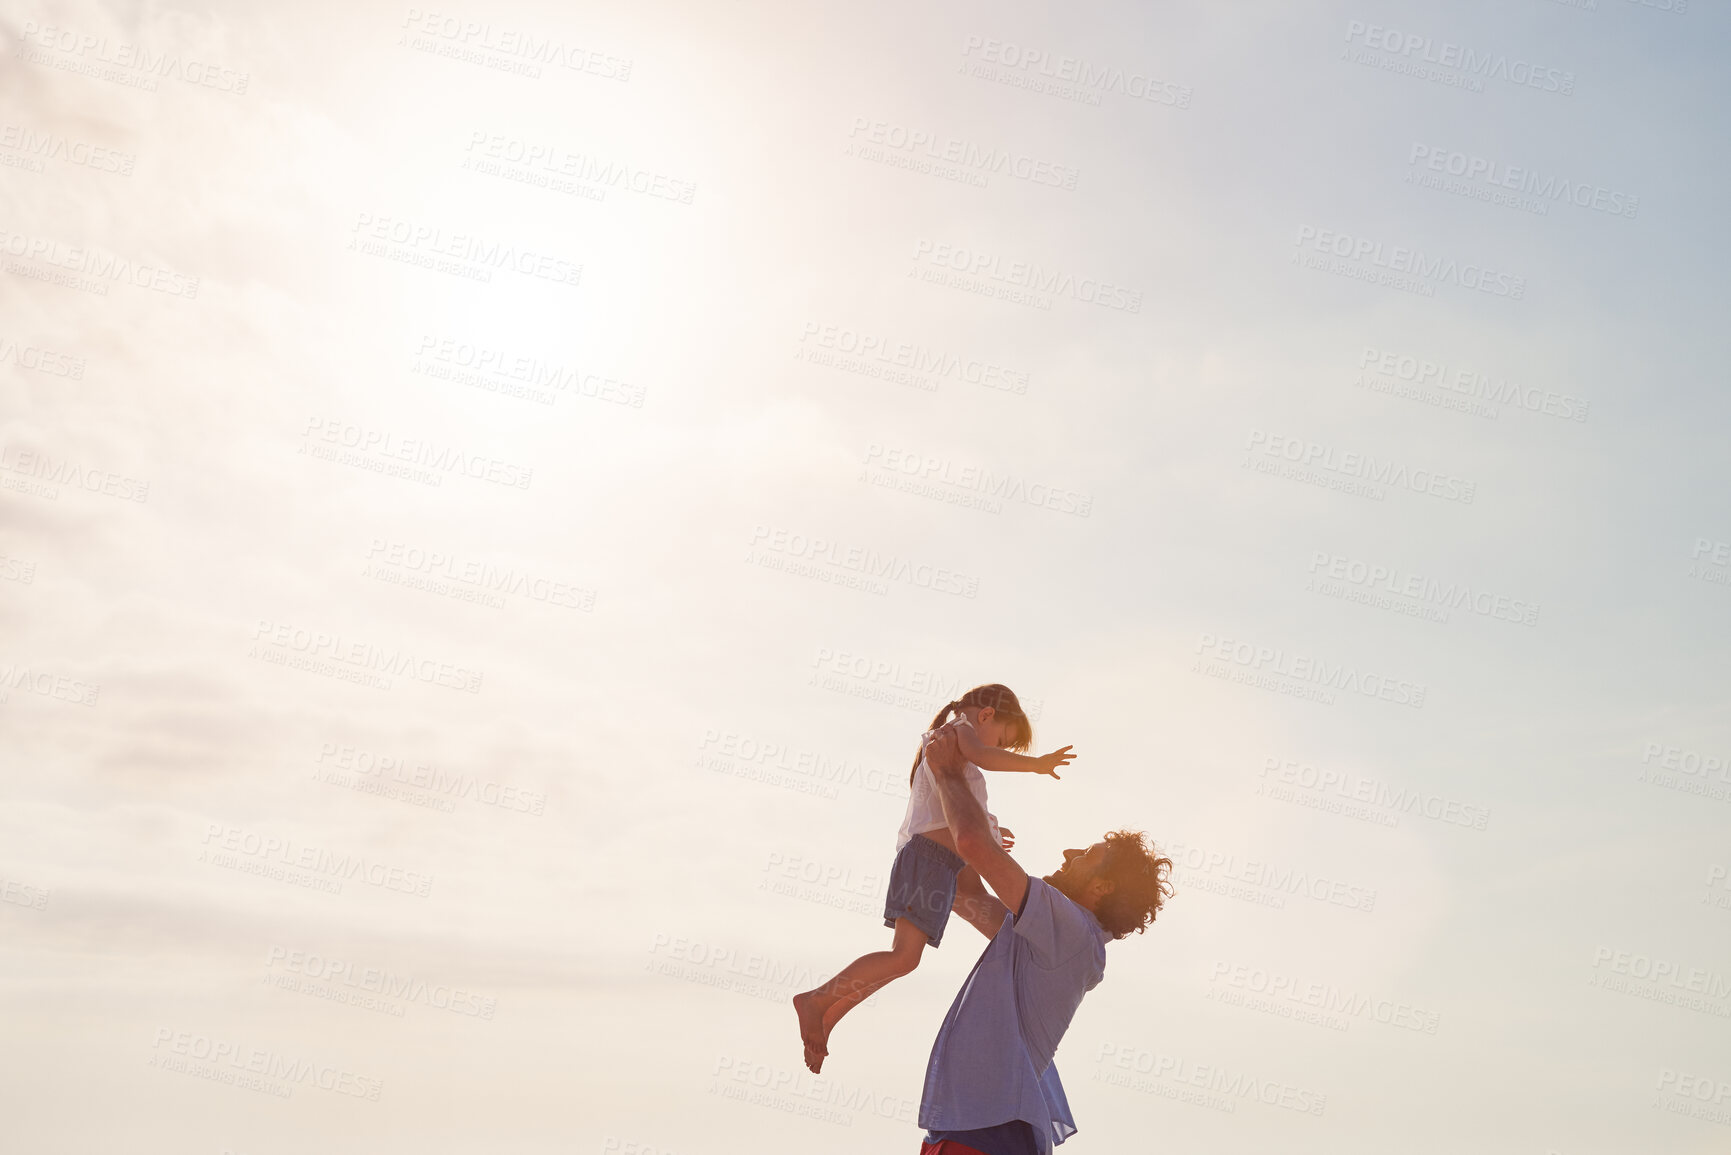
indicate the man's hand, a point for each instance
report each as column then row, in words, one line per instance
column 1007, row 837
column 944, row 752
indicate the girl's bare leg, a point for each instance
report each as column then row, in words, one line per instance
column 973, row 901
column 820, row 1008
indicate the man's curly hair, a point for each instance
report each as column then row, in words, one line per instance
column 1138, row 872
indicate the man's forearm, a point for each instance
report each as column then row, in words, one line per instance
column 970, row 829
column 983, row 912
column 963, row 812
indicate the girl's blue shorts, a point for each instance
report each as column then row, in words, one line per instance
column 923, row 886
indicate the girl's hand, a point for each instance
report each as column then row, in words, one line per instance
column 1049, row 763
column 1007, row 837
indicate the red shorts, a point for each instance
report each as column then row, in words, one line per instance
column 947, row 1147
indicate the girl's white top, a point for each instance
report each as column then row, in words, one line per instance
column 926, row 809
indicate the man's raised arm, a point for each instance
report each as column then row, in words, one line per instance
column 968, row 826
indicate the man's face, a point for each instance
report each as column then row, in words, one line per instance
column 1079, row 878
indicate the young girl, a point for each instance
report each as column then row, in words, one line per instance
column 929, row 877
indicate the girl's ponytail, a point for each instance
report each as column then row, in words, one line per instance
column 1002, row 701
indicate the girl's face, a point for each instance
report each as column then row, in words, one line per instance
column 991, row 731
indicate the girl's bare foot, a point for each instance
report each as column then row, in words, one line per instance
column 811, row 1032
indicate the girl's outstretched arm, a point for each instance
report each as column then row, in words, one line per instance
column 991, row 758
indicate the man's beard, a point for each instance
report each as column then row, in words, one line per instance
column 1064, row 881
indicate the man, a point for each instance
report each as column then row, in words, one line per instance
column 991, row 1088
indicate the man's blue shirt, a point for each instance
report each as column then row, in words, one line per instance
column 992, row 1061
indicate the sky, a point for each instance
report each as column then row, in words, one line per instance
column 490, row 498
